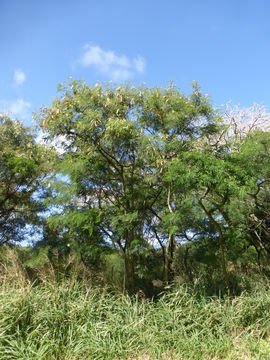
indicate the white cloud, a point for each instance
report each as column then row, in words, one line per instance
column 18, row 108
column 107, row 62
column 19, row 77
column 140, row 64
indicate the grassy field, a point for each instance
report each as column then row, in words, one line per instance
column 74, row 321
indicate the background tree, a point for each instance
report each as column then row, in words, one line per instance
column 226, row 173
column 23, row 166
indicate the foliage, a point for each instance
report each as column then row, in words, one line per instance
column 117, row 145
column 140, row 187
column 23, row 166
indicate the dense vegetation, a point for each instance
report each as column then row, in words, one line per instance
column 74, row 320
column 138, row 191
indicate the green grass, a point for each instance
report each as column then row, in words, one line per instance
column 71, row 321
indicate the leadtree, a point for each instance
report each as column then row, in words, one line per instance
column 255, row 211
column 116, row 144
column 23, row 166
column 226, row 177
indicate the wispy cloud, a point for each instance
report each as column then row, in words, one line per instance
column 107, row 62
column 19, row 77
column 17, row 108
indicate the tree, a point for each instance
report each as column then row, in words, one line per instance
column 226, row 175
column 116, row 147
column 23, row 165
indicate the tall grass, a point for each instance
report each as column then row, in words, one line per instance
column 72, row 321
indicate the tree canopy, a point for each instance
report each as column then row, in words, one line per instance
column 148, row 182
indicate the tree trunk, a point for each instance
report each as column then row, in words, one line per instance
column 130, row 262
column 220, row 242
column 169, row 250
column 188, row 270
column 129, row 273
column 223, row 260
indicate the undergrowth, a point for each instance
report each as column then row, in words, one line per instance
column 74, row 321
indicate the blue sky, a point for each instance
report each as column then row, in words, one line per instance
column 224, row 45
